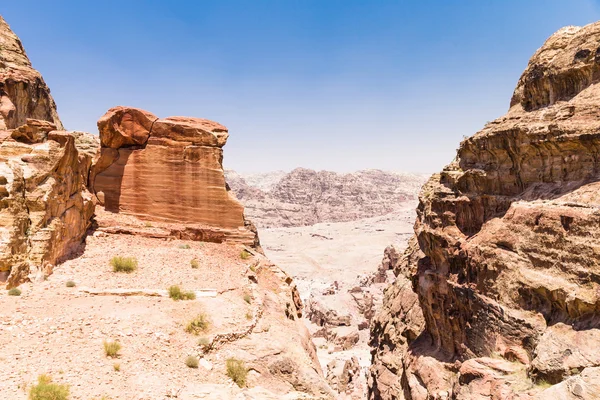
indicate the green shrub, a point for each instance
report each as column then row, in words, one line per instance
column 184, row 246
column 117, row 367
column 46, row 390
column 244, row 255
column 71, row 284
column 247, row 298
column 204, row 341
column 14, row 292
column 248, row 316
column 237, row 371
column 176, row 294
column 124, row 264
column 198, row 325
column 111, row 349
column 195, row 264
column 191, row 362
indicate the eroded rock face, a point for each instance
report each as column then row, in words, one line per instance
column 168, row 170
column 45, row 207
column 23, row 92
column 507, row 247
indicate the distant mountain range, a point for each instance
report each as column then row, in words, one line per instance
column 306, row 197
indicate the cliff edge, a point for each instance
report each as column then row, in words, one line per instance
column 498, row 295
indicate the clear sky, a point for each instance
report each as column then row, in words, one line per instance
column 325, row 84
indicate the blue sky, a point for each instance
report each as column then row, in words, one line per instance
column 325, row 84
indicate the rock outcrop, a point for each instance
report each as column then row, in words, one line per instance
column 45, row 207
column 505, row 264
column 305, row 197
column 168, row 171
column 23, row 92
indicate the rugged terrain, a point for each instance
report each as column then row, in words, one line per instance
column 151, row 191
column 305, row 197
column 497, row 296
column 337, row 265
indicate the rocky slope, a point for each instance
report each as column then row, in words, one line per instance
column 497, row 296
column 305, row 197
column 164, row 207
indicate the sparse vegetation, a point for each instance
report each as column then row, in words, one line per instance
column 14, row 292
column 46, row 390
column 124, row 264
column 204, row 341
column 117, row 367
column 111, row 349
column 71, row 284
column 253, row 268
column 542, row 384
column 148, row 225
column 237, row 371
column 248, row 316
column 247, row 298
column 194, row 264
column 244, row 255
column 198, row 325
column 191, row 362
column 176, row 294
column 184, row 246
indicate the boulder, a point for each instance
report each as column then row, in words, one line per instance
column 168, row 171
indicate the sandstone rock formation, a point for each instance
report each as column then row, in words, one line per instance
column 505, row 263
column 23, row 92
column 305, row 197
column 168, row 171
column 45, row 208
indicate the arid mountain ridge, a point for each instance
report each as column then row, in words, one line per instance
column 305, row 197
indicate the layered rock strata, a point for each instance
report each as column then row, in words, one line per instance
column 23, row 92
column 168, row 171
column 45, row 207
column 505, row 264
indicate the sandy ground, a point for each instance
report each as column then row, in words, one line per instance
column 319, row 254
column 345, row 252
column 55, row 330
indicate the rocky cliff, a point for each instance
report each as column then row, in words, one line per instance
column 45, row 207
column 23, row 92
column 498, row 296
column 305, row 197
column 168, row 171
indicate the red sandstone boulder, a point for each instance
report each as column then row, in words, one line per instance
column 168, row 171
column 125, row 126
column 196, row 131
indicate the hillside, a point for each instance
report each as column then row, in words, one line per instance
column 305, row 197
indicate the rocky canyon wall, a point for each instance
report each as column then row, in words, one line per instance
column 498, row 296
column 45, row 207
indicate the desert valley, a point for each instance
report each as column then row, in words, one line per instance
column 136, row 265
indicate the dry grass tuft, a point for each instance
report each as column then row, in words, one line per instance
column 191, row 362
column 111, row 349
column 176, row 294
column 14, row 292
column 124, row 264
column 71, row 284
column 46, row 390
column 198, row 325
column 237, row 371
column 194, row 264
